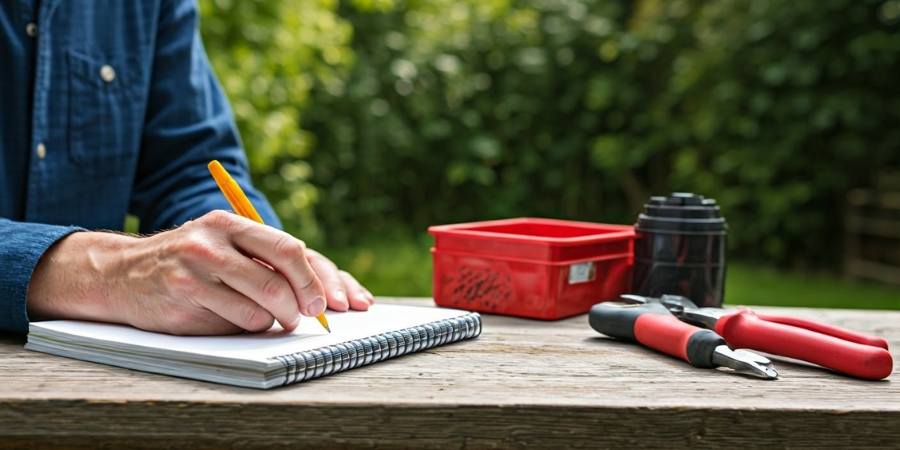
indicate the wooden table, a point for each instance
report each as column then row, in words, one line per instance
column 521, row 384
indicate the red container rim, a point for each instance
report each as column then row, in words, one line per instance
column 593, row 232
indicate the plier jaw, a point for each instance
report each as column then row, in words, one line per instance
column 745, row 362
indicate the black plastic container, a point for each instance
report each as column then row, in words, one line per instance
column 680, row 249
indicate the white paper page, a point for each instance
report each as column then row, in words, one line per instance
column 309, row 335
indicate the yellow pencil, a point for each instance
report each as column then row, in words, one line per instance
column 242, row 206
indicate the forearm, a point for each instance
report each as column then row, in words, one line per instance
column 79, row 277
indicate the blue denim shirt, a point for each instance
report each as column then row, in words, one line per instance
column 107, row 107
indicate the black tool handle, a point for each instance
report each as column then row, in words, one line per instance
column 653, row 326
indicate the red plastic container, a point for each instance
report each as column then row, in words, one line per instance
column 538, row 268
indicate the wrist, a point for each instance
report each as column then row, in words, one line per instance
column 75, row 278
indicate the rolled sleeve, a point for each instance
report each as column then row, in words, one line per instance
column 21, row 248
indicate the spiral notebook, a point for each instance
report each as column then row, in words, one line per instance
column 262, row 360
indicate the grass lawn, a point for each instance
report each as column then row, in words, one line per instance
column 402, row 267
column 753, row 285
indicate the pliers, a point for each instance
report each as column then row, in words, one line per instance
column 835, row 348
column 651, row 324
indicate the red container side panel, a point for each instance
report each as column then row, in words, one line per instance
column 537, row 268
column 502, row 287
column 524, row 289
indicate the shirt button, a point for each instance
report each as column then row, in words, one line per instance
column 41, row 150
column 31, row 29
column 107, row 73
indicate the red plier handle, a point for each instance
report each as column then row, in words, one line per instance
column 824, row 328
column 840, row 350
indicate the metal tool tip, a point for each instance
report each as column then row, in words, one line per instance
column 745, row 362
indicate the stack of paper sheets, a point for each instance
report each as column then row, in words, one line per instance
column 262, row 360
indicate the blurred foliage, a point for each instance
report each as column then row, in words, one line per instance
column 364, row 115
column 268, row 56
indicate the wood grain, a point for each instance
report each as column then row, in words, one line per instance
column 523, row 383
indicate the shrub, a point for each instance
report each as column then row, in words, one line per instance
column 449, row 110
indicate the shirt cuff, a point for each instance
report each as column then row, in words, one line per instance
column 23, row 255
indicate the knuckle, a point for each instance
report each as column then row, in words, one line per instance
column 306, row 282
column 289, row 247
column 274, row 287
column 217, row 221
column 191, row 243
column 218, row 218
column 197, row 247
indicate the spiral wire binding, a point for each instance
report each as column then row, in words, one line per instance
column 311, row 364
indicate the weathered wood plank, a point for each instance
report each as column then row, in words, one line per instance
column 230, row 425
column 523, row 383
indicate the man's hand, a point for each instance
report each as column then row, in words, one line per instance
column 218, row 274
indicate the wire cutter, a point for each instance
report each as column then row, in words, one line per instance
column 835, row 348
column 651, row 324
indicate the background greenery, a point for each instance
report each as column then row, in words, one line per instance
column 368, row 120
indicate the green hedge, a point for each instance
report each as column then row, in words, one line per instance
column 366, row 115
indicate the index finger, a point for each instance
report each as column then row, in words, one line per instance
column 287, row 255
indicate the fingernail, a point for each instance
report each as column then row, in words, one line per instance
column 343, row 302
column 316, row 306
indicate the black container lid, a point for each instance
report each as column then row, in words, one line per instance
column 681, row 213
